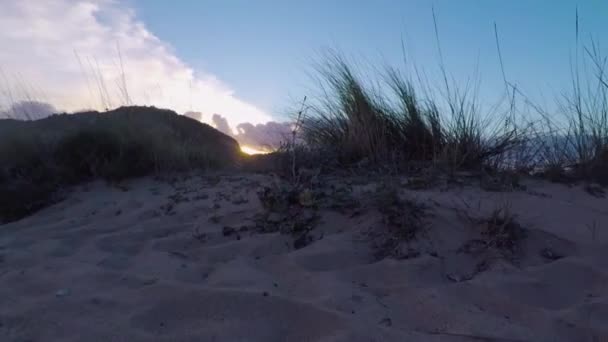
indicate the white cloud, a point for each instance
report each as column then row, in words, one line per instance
column 64, row 52
column 267, row 136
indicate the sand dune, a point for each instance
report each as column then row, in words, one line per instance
column 158, row 260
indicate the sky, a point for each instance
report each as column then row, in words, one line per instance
column 250, row 61
column 264, row 49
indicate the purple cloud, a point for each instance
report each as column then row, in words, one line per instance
column 28, row 110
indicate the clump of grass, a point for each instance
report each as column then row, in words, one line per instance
column 587, row 107
column 393, row 125
column 44, row 156
column 350, row 120
column 501, row 231
column 579, row 138
column 501, row 237
column 404, row 219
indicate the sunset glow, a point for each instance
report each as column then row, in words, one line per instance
column 252, row 150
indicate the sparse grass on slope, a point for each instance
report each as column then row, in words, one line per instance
column 38, row 158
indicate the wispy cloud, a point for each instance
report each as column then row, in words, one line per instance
column 27, row 110
column 221, row 124
column 72, row 54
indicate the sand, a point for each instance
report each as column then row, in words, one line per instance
column 157, row 260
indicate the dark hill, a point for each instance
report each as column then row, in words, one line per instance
column 39, row 157
column 142, row 120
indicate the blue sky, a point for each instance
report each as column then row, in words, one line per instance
column 248, row 61
column 263, row 49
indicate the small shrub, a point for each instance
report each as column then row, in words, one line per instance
column 288, row 209
column 278, row 197
column 502, row 231
column 404, row 219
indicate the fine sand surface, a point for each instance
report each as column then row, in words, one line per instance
column 153, row 260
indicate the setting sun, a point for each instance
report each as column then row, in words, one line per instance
column 252, row 150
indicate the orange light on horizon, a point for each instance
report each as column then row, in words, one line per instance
column 252, row 150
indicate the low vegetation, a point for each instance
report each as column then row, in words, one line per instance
column 395, row 122
column 38, row 158
column 289, row 208
column 395, row 126
column 501, row 231
column 404, row 219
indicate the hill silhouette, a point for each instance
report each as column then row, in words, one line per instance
column 39, row 158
